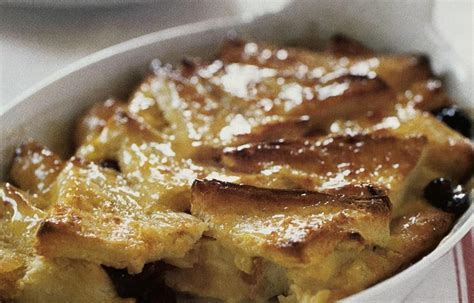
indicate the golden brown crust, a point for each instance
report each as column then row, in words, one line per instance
column 35, row 168
column 416, row 233
column 95, row 119
column 367, row 153
column 121, row 128
column 449, row 153
column 217, row 103
column 360, row 94
column 425, row 95
column 412, row 236
column 305, row 218
column 398, row 71
column 98, row 218
column 18, row 220
column 213, row 191
column 333, row 162
column 291, row 128
column 25, row 277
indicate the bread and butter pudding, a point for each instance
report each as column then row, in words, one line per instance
column 266, row 174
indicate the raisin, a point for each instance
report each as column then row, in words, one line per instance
column 438, row 191
column 441, row 194
column 112, row 164
column 146, row 287
column 455, row 118
column 459, row 203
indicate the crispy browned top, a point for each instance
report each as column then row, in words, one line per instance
column 285, row 224
column 96, row 216
column 363, row 157
column 399, row 71
column 35, row 168
column 268, row 199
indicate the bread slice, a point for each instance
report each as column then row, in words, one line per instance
column 121, row 128
column 98, row 218
column 398, row 71
column 412, row 236
column 332, row 162
column 94, row 120
column 306, row 218
column 18, row 220
column 25, row 277
column 286, row 232
column 212, row 104
column 34, row 169
column 450, row 154
column 324, row 246
column 220, row 273
column 65, row 280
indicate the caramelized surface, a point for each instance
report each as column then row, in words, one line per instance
column 448, row 153
column 18, row 222
column 284, row 224
column 399, row 71
column 34, row 169
column 301, row 171
column 412, row 236
column 92, row 122
column 333, row 162
column 27, row 277
column 321, row 241
column 214, row 104
column 98, row 218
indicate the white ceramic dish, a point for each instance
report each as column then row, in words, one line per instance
column 47, row 111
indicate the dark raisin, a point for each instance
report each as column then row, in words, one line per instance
column 459, row 203
column 108, row 163
column 441, row 194
column 188, row 63
column 438, row 191
column 159, row 293
column 374, row 191
column 189, row 66
column 146, row 287
column 455, row 118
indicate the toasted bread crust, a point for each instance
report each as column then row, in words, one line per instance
column 98, row 218
column 35, row 168
column 278, row 198
column 326, row 154
column 95, row 119
column 311, row 217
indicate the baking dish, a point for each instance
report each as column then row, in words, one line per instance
column 47, row 111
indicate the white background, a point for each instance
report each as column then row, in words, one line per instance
column 36, row 41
